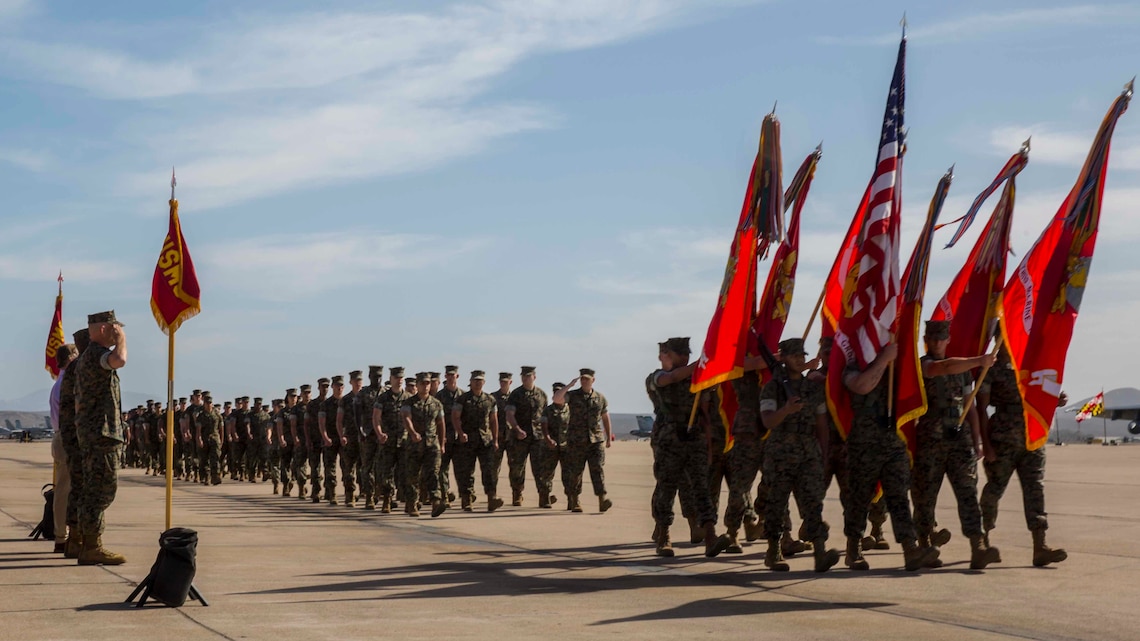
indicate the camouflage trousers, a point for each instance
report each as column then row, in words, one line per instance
column 674, row 461
column 870, row 461
column 329, row 455
column 285, row 466
column 272, row 468
column 465, row 456
column 349, row 460
column 518, row 451
column 954, row 459
column 835, row 467
column 237, row 458
column 392, row 471
column 75, row 471
column 743, row 461
column 500, row 452
column 314, row 453
column 719, row 475
column 210, row 459
column 100, row 463
column 421, row 467
column 794, row 464
column 300, row 466
column 575, row 458
column 1030, row 468
column 552, row 455
column 256, row 455
column 370, row 468
column 445, row 463
column 189, row 459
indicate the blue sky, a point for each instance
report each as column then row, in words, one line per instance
column 511, row 182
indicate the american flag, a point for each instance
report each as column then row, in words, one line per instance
column 875, row 301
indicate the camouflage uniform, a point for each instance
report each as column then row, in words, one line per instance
column 875, row 454
column 271, row 433
column 257, row 452
column 475, row 421
column 527, row 406
column 210, row 426
column 555, row 420
column 421, row 460
column 391, row 454
column 332, row 451
column 447, row 398
column 315, row 446
column 679, row 454
column 300, row 420
column 585, row 441
column 352, row 421
column 99, row 431
column 505, row 431
column 369, row 444
column 943, row 448
column 793, row 460
column 747, row 454
column 1007, row 438
column 719, row 473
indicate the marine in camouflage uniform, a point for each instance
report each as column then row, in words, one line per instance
column 349, row 423
column 447, row 396
column 793, row 409
column 1004, row 438
column 208, row 435
column 425, row 425
column 289, row 441
column 99, row 430
column 332, row 443
column 179, row 447
column 369, row 441
column 70, row 439
column 316, row 437
column 189, row 423
column 588, row 435
column 945, row 447
column 524, row 416
column 392, row 440
column 680, row 452
column 239, row 445
column 555, row 418
column 257, row 448
column 475, row 414
column 272, row 440
column 505, row 432
column 876, row 454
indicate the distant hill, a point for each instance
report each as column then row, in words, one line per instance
column 27, row 419
column 38, row 401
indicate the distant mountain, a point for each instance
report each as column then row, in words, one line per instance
column 38, row 401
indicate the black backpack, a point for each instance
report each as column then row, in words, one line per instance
column 46, row 528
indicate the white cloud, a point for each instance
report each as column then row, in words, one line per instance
column 288, row 268
column 983, row 24
column 1056, row 147
column 46, row 265
column 28, row 159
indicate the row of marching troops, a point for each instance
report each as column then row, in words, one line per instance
column 393, row 441
column 783, row 430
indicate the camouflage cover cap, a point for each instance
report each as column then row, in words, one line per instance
column 434, row 375
column 586, row 372
column 505, row 376
column 792, row 346
column 451, row 369
column 478, row 375
column 196, row 392
column 423, row 377
column 677, row 345
column 292, row 391
column 182, row 399
column 257, row 400
column 306, row 388
column 938, row 330
column 338, row 380
column 150, row 402
column 229, row 404
column 207, row 396
column 355, row 375
column 322, row 381
column 103, row 317
column 244, row 398
column 397, row 371
column 375, row 369
column 557, row 386
column 527, row 369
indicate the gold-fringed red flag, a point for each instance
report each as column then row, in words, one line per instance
column 760, row 224
column 910, row 389
column 55, row 333
column 1043, row 296
column 845, row 267
column 174, row 293
column 973, row 301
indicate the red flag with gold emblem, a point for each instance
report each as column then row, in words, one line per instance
column 174, row 293
column 55, row 334
column 761, row 222
column 1043, row 296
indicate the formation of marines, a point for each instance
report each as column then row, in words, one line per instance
column 784, row 432
column 393, row 442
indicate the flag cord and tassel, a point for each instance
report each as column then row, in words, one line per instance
column 978, row 385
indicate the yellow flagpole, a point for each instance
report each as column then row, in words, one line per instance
column 169, row 426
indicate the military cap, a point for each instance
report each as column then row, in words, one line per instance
column 103, row 317
column 322, row 381
column 217, row 407
column 228, row 404
column 662, row 346
column 257, row 400
column 149, row 402
column 938, row 330
column 196, row 392
column 423, row 377
column 557, row 386
column 244, row 398
column 206, row 393
column 81, row 335
column 397, row 371
column 451, row 369
column 677, row 345
column 375, row 369
column 355, row 375
column 434, row 376
column 505, row 376
column 292, row 391
column 207, row 396
column 790, row 346
column 528, row 369
column 306, row 388
column 182, row 399
column 338, row 380
column 478, row 375
column 586, row 371
column 237, row 400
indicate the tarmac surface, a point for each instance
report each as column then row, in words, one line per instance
column 279, row 568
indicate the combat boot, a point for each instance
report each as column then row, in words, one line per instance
column 714, row 544
column 386, row 505
column 332, row 498
column 73, row 545
column 696, row 533
column 825, row 559
column 450, row 497
column 915, row 557
column 1043, row 554
column 733, row 543
column 604, row 504
column 791, row 547
column 95, row 554
column 753, row 530
column 411, row 509
column 854, row 558
column 544, row 501
column 275, row 487
column 516, row 498
column 349, row 499
column 217, row 480
column 301, row 492
column 940, row 538
column 466, row 503
column 575, row 503
column 493, row 502
column 438, row 506
column 774, row 558
column 876, row 540
column 656, row 533
column 370, row 503
column 981, row 554
column 664, row 545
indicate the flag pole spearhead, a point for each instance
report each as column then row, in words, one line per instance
column 1025, row 146
column 818, row 150
column 903, row 24
column 173, row 182
column 773, row 112
column 1128, row 87
column 950, row 172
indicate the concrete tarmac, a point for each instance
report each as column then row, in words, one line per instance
column 282, row 569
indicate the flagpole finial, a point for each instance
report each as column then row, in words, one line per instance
column 773, row 113
column 950, row 171
column 173, row 182
column 903, row 24
column 1128, row 87
column 1025, row 145
column 819, row 148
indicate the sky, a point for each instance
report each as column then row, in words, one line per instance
column 501, row 183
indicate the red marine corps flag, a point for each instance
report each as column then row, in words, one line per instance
column 55, row 333
column 761, row 223
column 1043, row 295
column 872, row 286
column 174, row 289
column 974, row 298
column 910, row 398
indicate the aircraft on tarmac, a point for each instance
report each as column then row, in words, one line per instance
column 644, row 427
